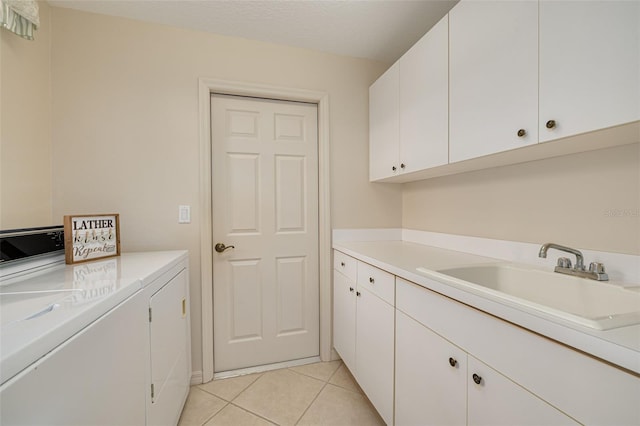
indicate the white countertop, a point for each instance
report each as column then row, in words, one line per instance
column 41, row 310
column 619, row 346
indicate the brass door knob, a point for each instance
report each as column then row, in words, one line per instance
column 521, row 133
column 220, row 247
column 551, row 124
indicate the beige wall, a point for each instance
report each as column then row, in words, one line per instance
column 125, row 127
column 25, row 128
column 589, row 200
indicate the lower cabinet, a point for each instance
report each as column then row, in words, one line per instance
column 363, row 332
column 431, row 376
column 493, row 399
column 344, row 319
column 524, row 378
column 426, row 359
column 437, row 383
column 374, row 351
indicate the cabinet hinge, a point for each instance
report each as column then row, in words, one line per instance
column 153, row 393
column 150, row 317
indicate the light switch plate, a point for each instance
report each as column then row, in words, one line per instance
column 184, row 214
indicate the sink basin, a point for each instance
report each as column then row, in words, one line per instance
column 591, row 303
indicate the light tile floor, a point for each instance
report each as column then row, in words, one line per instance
column 323, row 393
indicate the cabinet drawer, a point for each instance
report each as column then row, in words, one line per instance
column 345, row 264
column 377, row 281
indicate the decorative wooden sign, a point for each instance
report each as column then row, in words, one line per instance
column 91, row 237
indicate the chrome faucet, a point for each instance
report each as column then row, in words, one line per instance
column 595, row 272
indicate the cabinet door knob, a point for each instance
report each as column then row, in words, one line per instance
column 357, row 293
column 453, row 362
column 371, row 280
column 551, row 124
column 342, row 264
column 393, row 168
column 477, row 379
column 351, row 289
column 521, row 133
column 402, row 166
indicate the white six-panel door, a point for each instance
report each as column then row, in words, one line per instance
column 265, row 204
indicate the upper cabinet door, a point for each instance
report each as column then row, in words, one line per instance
column 589, row 65
column 493, row 77
column 383, row 125
column 424, row 101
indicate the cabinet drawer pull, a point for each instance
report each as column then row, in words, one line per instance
column 393, row 168
column 477, row 379
column 453, row 362
column 521, row 133
column 358, row 293
column 351, row 289
column 342, row 264
column 371, row 280
column 402, row 166
column 551, row 124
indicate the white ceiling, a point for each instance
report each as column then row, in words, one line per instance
column 375, row 29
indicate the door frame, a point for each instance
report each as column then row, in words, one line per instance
column 207, row 86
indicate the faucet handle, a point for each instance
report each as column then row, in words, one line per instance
column 564, row 262
column 596, row 267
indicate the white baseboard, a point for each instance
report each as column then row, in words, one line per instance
column 264, row 368
column 196, row 378
column 334, row 355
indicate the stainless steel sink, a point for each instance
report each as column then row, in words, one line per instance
column 591, row 303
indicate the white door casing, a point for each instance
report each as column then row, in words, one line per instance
column 206, row 86
column 265, row 204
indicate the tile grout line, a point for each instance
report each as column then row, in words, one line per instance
column 230, row 402
column 359, row 392
column 302, row 374
column 255, row 414
column 216, row 413
column 311, row 403
column 326, row 382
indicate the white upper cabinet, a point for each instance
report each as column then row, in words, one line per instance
column 589, row 65
column 384, row 125
column 424, row 100
column 493, row 77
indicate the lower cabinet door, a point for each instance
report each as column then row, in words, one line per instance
column 495, row 400
column 431, row 377
column 344, row 319
column 374, row 351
